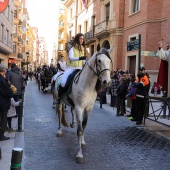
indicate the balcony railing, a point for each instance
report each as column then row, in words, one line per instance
column 101, row 27
column 89, row 34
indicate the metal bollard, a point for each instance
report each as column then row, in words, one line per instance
column 0, row 152
column 20, row 117
column 16, row 159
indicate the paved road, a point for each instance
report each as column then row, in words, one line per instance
column 113, row 143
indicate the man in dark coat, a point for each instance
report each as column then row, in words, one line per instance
column 16, row 79
column 5, row 101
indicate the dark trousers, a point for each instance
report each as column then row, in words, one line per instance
column 120, row 106
column 16, row 98
column 133, row 109
column 3, row 123
column 9, row 121
column 140, row 103
column 113, row 101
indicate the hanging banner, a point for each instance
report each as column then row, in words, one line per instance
column 3, row 5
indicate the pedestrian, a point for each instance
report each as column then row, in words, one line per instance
column 132, row 96
column 102, row 95
column 5, row 99
column 11, row 113
column 141, row 84
column 76, row 54
column 114, row 85
column 121, row 93
column 16, row 79
column 165, row 105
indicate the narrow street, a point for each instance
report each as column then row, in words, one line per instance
column 113, row 143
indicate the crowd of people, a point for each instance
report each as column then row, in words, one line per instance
column 124, row 86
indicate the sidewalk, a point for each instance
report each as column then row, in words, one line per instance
column 17, row 138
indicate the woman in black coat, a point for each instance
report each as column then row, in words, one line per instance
column 5, row 101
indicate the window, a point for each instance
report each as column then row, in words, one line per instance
column 71, row 11
column 79, row 29
column 11, row 41
column 14, row 47
column 12, row 17
column 70, row 34
column 15, row 30
column 2, row 33
column 15, row 13
column 94, row 20
column 6, row 37
column 107, row 11
column 8, row 12
column 85, row 26
column 134, row 6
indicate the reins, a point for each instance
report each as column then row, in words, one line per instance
column 97, row 72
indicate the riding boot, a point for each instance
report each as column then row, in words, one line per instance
column 60, row 93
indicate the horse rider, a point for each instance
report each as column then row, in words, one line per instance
column 61, row 68
column 76, row 55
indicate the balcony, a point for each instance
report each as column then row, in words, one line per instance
column 20, row 55
column 102, row 29
column 89, row 36
column 16, row 3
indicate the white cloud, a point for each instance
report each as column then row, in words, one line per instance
column 43, row 15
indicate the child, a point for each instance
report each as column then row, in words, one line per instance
column 132, row 96
column 11, row 113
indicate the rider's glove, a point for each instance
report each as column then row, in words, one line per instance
column 83, row 58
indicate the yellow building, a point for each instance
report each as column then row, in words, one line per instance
column 30, row 47
column 18, row 30
column 62, row 30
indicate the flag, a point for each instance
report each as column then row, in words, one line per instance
column 84, row 3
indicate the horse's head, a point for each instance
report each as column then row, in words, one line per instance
column 102, row 64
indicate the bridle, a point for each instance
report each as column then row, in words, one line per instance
column 97, row 72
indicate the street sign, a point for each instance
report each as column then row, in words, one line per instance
column 3, row 5
column 133, row 45
column 148, row 53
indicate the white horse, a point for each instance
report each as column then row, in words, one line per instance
column 95, row 74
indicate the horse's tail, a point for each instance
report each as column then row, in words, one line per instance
column 63, row 119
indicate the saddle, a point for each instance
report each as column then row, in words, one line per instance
column 68, row 87
column 69, row 82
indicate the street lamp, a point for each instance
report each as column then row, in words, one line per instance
column 27, row 54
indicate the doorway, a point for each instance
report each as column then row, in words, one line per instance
column 132, row 64
column 106, row 44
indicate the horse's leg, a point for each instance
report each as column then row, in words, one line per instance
column 59, row 112
column 72, row 124
column 79, row 112
column 84, row 123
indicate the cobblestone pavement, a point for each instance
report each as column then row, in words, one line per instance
column 113, row 143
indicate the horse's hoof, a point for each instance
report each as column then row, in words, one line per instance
column 53, row 107
column 79, row 160
column 59, row 134
column 72, row 125
column 83, row 146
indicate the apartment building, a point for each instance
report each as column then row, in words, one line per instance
column 62, row 30
column 116, row 23
column 42, row 51
column 6, row 31
column 30, row 39
column 36, row 47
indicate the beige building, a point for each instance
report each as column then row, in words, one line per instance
column 116, row 23
column 62, row 30
column 6, row 31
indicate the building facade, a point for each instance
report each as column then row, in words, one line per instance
column 114, row 24
column 6, row 31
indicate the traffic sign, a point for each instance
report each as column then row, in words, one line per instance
column 3, row 5
column 133, row 45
